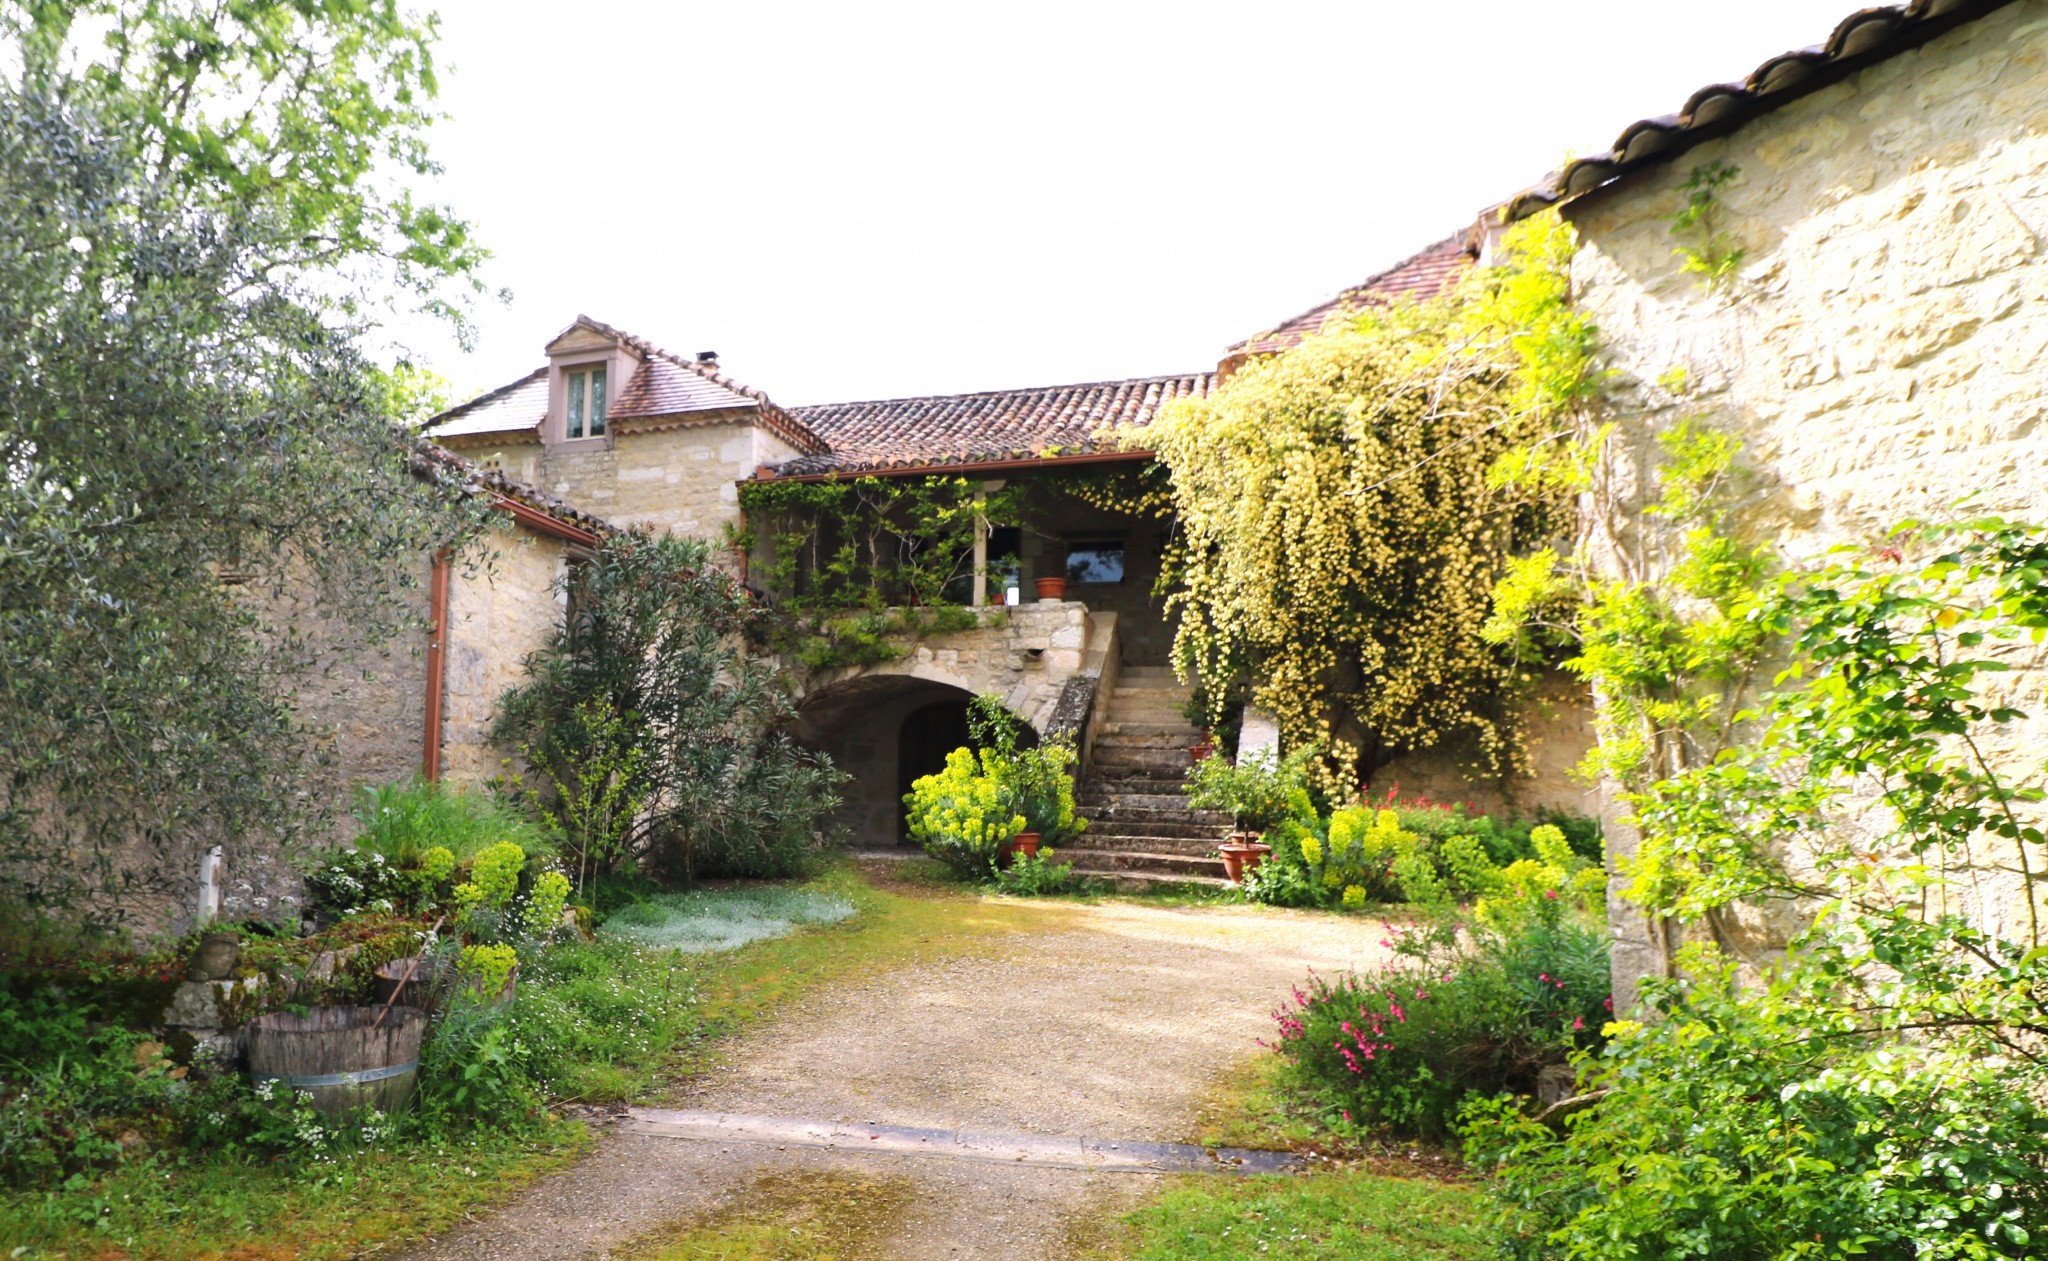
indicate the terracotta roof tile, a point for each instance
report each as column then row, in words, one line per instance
column 1864, row 38
column 512, row 409
column 946, row 429
column 1421, row 276
column 665, row 387
column 434, row 460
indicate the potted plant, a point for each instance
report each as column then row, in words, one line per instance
column 1255, row 792
column 1051, row 588
column 1045, row 795
column 1205, row 748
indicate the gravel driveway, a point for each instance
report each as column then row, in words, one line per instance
column 1109, row 1022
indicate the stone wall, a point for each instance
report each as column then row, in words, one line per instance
column 1558, row 721
column 1024, row 655
column 681, row 479
column 1881, row 351
column 498, row 613
column 365, row 703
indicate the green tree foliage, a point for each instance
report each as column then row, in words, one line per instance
column 301, row 119
column 650, row 703
column 1877, row 1089
column 189, row 430
column 1349, row 506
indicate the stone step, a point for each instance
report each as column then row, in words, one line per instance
column 1164, row 763
column 1174, row 836
column 1145, row 695
column 1176, row 811
column 1142, row 881
column 1165, row 864
column 1116, row 842
column 1133, row 789
column 1185, row 827
column 1147, row 672
column 1147, row 717
column 1120, row 730
column 1177, row 742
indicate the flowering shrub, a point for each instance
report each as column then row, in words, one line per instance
column 965, row 814
column 353, row 881
column 1456, row 1014
column 488, row 968
column 542, row 914
column 1365, row 853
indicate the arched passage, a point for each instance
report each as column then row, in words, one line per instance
column 885, row 731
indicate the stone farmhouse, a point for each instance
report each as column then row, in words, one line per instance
column 1880, row 353
column 645, row 437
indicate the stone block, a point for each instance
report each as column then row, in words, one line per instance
column 212, row 1004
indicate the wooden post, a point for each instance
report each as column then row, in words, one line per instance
column 980, row 548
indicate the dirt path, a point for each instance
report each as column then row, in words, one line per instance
column 1110, row 1022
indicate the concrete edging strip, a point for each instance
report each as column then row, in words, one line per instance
column 1040, row 1150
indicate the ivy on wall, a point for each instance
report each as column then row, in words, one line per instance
column 861, row 564
column 1347, row 508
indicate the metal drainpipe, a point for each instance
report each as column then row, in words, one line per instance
column 437, row 665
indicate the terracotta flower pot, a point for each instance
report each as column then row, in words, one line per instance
column 1027, row 844
column 1233, row 855
column 1255, row 853
column 1202, row 750
column 1051, row 588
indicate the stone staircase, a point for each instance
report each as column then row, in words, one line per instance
column 1140, row 829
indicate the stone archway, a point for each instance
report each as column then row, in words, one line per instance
column 884, row 730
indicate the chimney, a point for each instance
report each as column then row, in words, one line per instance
column 707, row 359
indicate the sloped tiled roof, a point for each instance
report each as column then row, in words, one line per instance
column 666, row 387
column 987, row 427
column 509, row 409
column 1421, row 276
column 1864, row 38
column 431, row 459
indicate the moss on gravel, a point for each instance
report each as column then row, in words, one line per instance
column 802, row 1215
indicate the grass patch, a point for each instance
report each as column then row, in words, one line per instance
column 204, row 1208
column 1250, row 1107
column 1350, row 1216
column 802, row 1216
column 705, row 920
column 160, row 1209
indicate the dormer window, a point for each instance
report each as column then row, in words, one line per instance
column 584, row 389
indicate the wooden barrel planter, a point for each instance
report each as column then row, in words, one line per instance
column 336, row 1055
column 427, row 988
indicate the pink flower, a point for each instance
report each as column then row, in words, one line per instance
column 1346, row 1113
column 1543, row 976
column 1608, row 1002
column 1551, row 894
column 1578, row 1022
column 1397, row 1012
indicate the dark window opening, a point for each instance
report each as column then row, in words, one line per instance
column 1095, row 562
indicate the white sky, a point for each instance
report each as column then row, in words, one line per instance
column 865, row 200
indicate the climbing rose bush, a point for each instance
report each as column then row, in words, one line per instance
column 1458, row 1013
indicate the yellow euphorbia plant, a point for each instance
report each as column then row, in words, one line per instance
column 965, row 814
